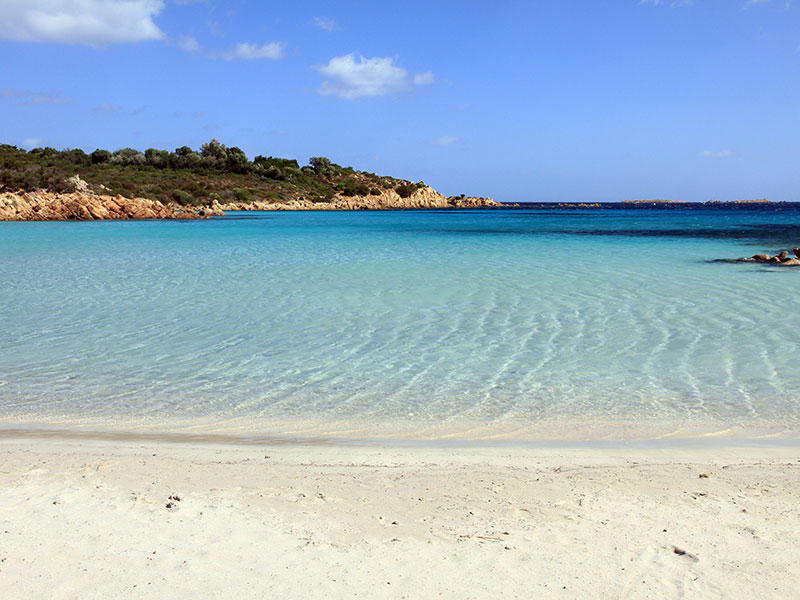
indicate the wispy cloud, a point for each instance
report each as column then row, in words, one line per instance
column 426, row 78
column 179, row 114
column 670, row 3
column 245, row 51
column 105, row 108
column 716, row 153
column 787, row 4
column 90, row 22
column 445, row 140
column 189, row 43
column 30, row 98
column 351, row 77
column 31, row 143
column 325, row 23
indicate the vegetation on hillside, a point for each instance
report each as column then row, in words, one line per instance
column 190, row 177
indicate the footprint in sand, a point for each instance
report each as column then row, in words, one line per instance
column 664, row 572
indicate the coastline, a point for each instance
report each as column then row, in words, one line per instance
column 155, row 519
column 86, row 205
column 368, row 432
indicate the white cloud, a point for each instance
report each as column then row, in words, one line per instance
column 325, row 23
column 91, row 22
column 31, row 143
column 189, row 43
column 426, row 78
column 716, row 153
column 31, row 98
column 272, row 50
column 350, row 77
column 445, row 140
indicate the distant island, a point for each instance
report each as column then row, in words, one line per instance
column 50, row 184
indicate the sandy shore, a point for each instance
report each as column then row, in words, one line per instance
column 94, row 519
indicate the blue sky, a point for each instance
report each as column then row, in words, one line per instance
column 544, row 100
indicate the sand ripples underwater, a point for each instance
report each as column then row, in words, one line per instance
column 436, row 323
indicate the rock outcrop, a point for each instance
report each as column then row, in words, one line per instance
column 782, row 259
column 423, row 197
column 87, row 206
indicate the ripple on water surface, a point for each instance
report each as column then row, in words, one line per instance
column 427, row 324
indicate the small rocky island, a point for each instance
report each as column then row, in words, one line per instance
column 782, row 259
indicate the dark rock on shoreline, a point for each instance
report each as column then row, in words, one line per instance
column 782, row 259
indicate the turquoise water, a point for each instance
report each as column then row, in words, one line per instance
column 522, row 324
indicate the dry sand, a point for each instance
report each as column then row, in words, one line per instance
column 89, row 519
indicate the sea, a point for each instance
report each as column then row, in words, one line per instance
column 531, row 324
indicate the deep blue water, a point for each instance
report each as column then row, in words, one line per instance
column 531, row 323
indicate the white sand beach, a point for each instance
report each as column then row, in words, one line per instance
column 83, row 518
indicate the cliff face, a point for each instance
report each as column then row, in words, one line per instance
column 86, row 206
column 424, row 197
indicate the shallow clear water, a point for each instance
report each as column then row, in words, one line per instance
column 520, row 323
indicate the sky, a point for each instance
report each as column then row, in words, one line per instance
column 538, row 100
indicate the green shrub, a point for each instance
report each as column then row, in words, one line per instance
column 322, row 166
column 183, row 198
column 214, row 149
column 128, row 157
column 236, row 161
column 75, row 156
column 157, row 158
column 404, row 190
column 100, row 156
column 242, row 195
column 47, row 152
column 353, row 188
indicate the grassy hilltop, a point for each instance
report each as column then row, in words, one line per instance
column 190, row 177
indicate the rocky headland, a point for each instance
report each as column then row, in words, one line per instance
column 70, row 184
